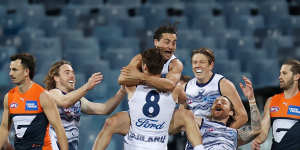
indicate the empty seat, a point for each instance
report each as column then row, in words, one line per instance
column 249, row 54
column 53, row 25
column 12, row 23
column 209, row 25
column 89, row 45
column 46, row 44
column 39, row 78
column 28, row 35
column 181, row 22
column 246, row 23
column 87, row 2
column 34, row 15
column 5, row 53
column 73, row 13
column 265, row 72
column 114, row 13
column 133, row 26
column 124, row 2
column 154, row 15
column 183, row 54
column 227, row 66
column 271, row 45
column 238, row 8
column 107, row 34
column 119, row 57
column 222, row 36
column 81, row 78
column 273, row 12
column 221, row 54
column 195, row 10
column 70, row 34
column 4, row 78
column 198, row 42
column 237, row 44
column 127, row 43
column 99, row 92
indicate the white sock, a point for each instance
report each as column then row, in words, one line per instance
column 199, row 147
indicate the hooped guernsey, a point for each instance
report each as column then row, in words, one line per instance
column 30, row 122
column 285, row 116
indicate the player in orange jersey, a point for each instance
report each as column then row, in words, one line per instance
column 283, row 111
column 30, row 108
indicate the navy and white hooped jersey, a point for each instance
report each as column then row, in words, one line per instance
column 217, row 136
column 70, row 118
column 150, row 114
column 202, row 96
column 165, row 69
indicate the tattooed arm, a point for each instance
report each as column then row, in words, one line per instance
column 248, row 133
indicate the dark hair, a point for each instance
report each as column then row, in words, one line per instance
column 231, row 118
column 28, row 62
column 205, row 51
column 295, row 67
column 53, row 71
column 153, row 60
column 164, row 29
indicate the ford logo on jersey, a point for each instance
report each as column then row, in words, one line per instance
column 294, row 110
column 31, row 105
column 274, row 109
column 149, row 123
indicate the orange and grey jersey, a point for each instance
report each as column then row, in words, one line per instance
column 30, row 123
column 285, row 116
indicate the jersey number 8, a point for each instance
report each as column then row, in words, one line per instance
column 151, row 108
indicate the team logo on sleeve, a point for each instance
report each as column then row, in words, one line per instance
column 274, row 109
column 13, row 105
column 31, row 105
column 294, row 110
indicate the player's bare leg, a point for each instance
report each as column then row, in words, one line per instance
column 119, row 123
column 183, row 118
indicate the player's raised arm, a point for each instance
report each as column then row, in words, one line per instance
column 248, row 133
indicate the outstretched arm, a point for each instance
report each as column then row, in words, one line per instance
column 132, row 75
column 228, row 89
column 50, row 110
column 103, row 108
column 248, row 133
column 70, row 98
column 266, row 124
column 5, row 123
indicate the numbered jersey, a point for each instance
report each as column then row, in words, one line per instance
column 285, row 116
column 150, row 113
column 30, row 122
column 216, row 136
column 202, row 96
column 70, row 118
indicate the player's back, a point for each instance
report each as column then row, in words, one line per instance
column 30, row 123
column 150, row 113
